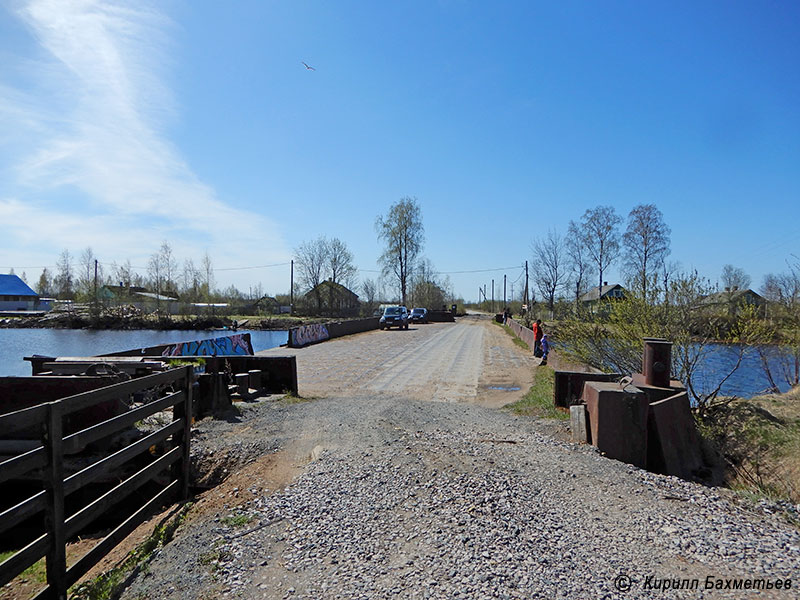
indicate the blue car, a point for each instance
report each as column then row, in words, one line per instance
column 419, row 315
column 394, row 316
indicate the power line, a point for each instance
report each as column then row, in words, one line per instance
column 476, row 270
column 256, row 267
column 138, row 268
column 453, row 272
column 38, row 267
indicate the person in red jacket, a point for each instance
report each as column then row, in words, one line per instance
column 537, row 337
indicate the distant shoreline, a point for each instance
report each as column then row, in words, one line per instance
column 65, row 320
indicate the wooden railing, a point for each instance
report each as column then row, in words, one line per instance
column 49, row 459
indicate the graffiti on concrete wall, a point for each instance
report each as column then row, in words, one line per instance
column 308, row 334
column 232, row 344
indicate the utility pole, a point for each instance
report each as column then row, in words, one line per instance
column 505, row 301
column 484, row 293
column 492, row 295
column 526, row 285
column 291, row 290
column 95, row 286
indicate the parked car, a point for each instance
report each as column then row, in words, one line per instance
column 394, row 316
column 419, row 315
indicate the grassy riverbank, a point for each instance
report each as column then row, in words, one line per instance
column 759, row 440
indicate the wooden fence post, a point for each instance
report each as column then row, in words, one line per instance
column 184, row 411
column 54, row 512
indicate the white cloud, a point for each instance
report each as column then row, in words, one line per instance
column 99, row 113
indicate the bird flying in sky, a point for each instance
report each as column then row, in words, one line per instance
column 307, row 67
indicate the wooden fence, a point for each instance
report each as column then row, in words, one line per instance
column 49, row 459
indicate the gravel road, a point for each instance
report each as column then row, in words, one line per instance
column 402, row 479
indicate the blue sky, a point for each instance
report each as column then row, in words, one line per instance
column 125, row 124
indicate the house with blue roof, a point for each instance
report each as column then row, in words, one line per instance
column 16, row 295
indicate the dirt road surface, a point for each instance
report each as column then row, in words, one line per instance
column 398, row 475
column 471, row 362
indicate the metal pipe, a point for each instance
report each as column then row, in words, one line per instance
column 656, row 361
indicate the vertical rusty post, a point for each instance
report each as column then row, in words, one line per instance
column 53, row 479
column 656, row 362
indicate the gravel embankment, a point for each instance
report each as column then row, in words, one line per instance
column 414, row 499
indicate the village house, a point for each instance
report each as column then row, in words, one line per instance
column 731, row 300
column 139, row 297
column 607, row 292
column 17, row 296
column 332, row 298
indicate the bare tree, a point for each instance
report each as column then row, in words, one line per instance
column 123, row 275
column 668, row 271
column 783, row 288
column 162, row 269
column 45, row 286
column 549, row 270
column 191, row 280
column 600, row 229
column 778, row 344
column 64, row 279
column 169, row 267
column 646, row 242
column 340, row 263
column 427, row 290
column 578, row 260
column 207, row 270
column 734, row 278
column 86, row 275
column 155, row 273
column 311, row 260
column 340, row 267
column 404, row 235
column 369, row 288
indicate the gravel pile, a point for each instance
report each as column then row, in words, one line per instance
column 435, row 500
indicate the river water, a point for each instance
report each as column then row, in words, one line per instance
column 747, row 381
column 18, row 343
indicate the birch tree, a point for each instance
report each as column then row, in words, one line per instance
column 646, row 245
column 600, row 232
column 549, row 270
column 403, row 234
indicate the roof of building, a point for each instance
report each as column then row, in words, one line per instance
column 734, row 296
column 124, row 289
column 336, row 286
column 154, row 296
column 11, row 285
column 592, row 294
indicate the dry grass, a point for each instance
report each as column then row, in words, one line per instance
column 760, row 442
